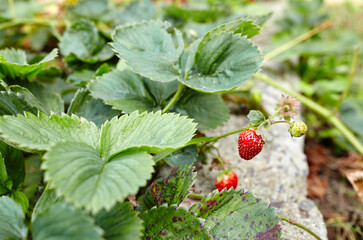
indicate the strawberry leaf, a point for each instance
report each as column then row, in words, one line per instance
column 120, row 223
column 171, row 190
column 18, row 99
column 82, row 41
column 256, row 117
column 170, row 222
column 123, row 90
column 13, row 64
column 30, row 133
column 237, row 214
column 20, row 199
column 13, row 166
column 202, row 107
column 182, row 157
column 241, row 26
column 222, row 61
column 149, row 49
column 94, row 110
column 12, row 220
column 48, row 199
column 64, row 222
column 78, row 173
column 136, row 11
column 90, row 9
column 12, row 103
column 152, row 132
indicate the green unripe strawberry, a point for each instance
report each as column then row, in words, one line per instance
column 298, row 128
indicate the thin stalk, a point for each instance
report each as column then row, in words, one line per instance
column 269, row 119
column 320, row 110
column 223, row 135
column 175, row 97
column 298, row 225
column 297, row 40
column 18, row 22
column 283, row 121
column 219, row 159
column 12, row 8
column 350, row 80
column 195, row 195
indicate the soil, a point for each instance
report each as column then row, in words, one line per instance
column 333, row 193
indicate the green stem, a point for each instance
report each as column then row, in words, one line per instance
column 297, row 40
column 223, row 135
column 320, row 110
column 195, row 195
column 281, row 122
column 18, row 22
column 269, row 119
column 175, row 97
column 12, row 8
column 350, row 80
column 219, row 159
column 298, row 225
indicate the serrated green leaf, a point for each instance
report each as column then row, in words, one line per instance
column 81, row 78
column 161, row 91
column 20, row 199
column 19, row 99
column 120, row 223
column 241, row 26
column 78, row 173
column 237, row 214
column 3, row 177
column 123, row 90
column 256, row 117
column 153, row 132
column 208, row 110
column 91, row 9
column 13, row 64
column 29, row 132
column 223, row 61
column 64, row 222
column 12, row 220
column 52, row 102
column 182, row 157
column 171, row 190
column 149, row 49
column 93, row 110
column 48, row 199
column 82, row 40
column 136, row 11
column 169, row 222
column 14, row 163
column 33, row 177
column 12, row 103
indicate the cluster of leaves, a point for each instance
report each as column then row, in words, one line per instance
column 324, row 64
column 226, row 214
column 92, row 124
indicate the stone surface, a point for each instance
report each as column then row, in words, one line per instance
column 278, row 174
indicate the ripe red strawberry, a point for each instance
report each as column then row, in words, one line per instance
column 249, row 144
column 227, row 180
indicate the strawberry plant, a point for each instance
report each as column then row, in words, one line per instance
column 128, row 92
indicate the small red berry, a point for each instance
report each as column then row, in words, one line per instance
column 249, row 144
column 227, row 180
